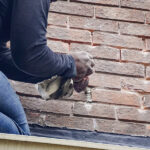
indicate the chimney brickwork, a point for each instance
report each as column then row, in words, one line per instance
column 117, row 34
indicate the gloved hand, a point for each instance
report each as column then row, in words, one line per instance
column 85, row 67
column 81, row 85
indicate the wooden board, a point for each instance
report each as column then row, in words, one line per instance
column 19, row 142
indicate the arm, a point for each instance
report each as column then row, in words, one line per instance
column 30, row 52
column 10, row 70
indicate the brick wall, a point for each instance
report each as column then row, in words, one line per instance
column 117, row 34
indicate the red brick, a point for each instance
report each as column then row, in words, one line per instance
column 94, row 110
column 118, row 127
column 116, row 97
column 135, row 84
column 97, row 51
column 120, row 14
column 58, row 106
column 32, row 117
column 52, row 106
column 146, row 101
column 145, row 4
column 58, row 46
column 148, row 130
column 36, row 118
column 119, row 82
column 105, row 2
column 78, row 96
column 79, row 123
column 129, row 69
column 102, row 125
column 133, row 114
column 147, row 44
column 134, row 29
column 32, row 103
column 126, row 128
column 148, row 72
column 57, row 19
column 25, row 88
column 69, row 34
column 135, row 56
column 93, row 24
column 148, row 17
column 123, row 41
column 105, row 81
column 72, row 8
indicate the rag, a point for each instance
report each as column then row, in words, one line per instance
column 55, row 88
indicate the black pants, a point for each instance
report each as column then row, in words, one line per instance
column 24, row 23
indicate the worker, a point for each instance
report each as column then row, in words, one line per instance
column 29, row 59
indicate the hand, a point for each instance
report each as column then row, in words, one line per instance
column 84, row 65
column 81, row 86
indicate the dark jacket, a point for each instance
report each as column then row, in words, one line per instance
column 24, row 23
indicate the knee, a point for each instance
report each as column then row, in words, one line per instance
column 7, row 125
column 6, row 90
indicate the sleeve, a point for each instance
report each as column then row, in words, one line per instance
column 30, row 52
column 10, row 70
